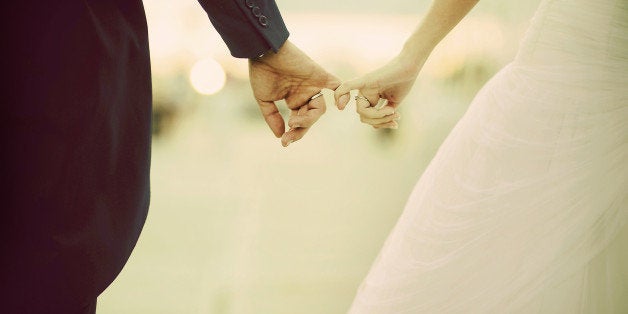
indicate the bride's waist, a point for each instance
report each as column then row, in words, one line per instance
column 578, row 32
column 576, row 77
column 581, row 82
column 574, row 59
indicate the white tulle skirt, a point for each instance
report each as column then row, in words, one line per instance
column 524, row 208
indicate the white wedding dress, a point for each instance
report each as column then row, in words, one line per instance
column 524, row 208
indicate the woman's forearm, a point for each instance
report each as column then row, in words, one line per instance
column 440, row 19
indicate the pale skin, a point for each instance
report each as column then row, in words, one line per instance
column 394, row 80
column 291, row 75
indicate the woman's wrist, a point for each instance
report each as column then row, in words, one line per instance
column 414, row 55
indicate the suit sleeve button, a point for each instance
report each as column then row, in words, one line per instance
column 263, row 20
column 256, row 11
column 249, row 3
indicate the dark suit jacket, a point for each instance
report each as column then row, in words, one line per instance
column 76, row 133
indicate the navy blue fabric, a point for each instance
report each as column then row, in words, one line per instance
column 76, row 135
column 76, row 157
column 243, row 32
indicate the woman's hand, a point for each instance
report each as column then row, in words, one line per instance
column 394, row 80
column 383, row 118
column 391, row 82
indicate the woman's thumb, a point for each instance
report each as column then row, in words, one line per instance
column 341, row 94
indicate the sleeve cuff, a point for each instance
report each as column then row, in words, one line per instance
column 249, row 27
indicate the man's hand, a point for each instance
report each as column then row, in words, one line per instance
column 291, row 75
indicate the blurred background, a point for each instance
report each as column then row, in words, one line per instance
column 239, row 224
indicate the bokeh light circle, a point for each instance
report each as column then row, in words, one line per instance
column 207, row 76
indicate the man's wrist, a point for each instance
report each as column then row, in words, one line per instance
column 270, row 54
column 258, row 58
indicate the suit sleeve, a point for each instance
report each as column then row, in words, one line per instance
column 248, row 27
